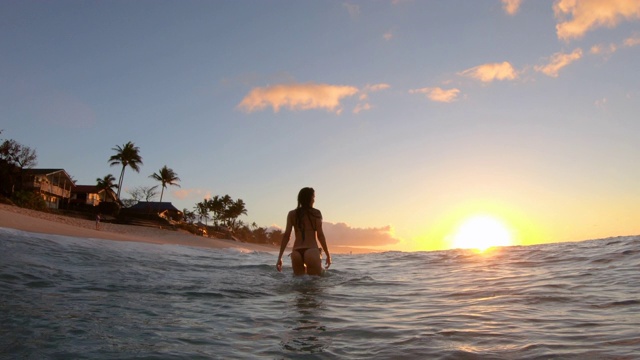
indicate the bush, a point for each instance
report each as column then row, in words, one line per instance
column 108, row 208
column 4, row 200
column 29, row 200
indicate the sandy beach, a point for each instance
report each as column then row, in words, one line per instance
column 48, row 223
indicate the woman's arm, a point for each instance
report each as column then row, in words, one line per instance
column 323, row 241
column 285, row 240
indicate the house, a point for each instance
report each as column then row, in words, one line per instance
column 91, row 195
column 163, row 209
column 54, row 185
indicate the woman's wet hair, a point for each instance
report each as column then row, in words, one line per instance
column 305, row 197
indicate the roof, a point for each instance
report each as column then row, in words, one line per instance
column 47, row 172
column 153, row 205
column 86, row 189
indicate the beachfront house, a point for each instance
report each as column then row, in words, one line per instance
column 54, row 185
column 165, row 210
column 91, row 195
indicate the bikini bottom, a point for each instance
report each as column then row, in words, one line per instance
column 301, row 251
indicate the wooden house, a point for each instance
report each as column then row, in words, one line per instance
column 91, row 195
column 54, row 185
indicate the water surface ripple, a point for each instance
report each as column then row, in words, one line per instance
column 63, row 297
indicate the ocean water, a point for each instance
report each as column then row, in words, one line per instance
column 75, row 298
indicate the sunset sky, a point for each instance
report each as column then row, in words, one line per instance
column 407, row 117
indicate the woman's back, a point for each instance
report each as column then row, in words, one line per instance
column 306, row 222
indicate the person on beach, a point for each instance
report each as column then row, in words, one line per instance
column 98, row 222
column 307, row 223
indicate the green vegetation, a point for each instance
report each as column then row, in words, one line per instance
column 106, row 183
column 127, row 155
column 225, row 212
column 166, row 177
column 29, row 200
column 15, row 158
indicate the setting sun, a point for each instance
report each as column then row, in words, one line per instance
column 481, row 232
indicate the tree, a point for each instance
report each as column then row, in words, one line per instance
column 23, row 156
column 106, row 184
column 233, row 211
column 261, row 235
column 202, row 209
column 127, row 155
column 189, row 216
column 166, row 176
column 146, row 193
column 225, row 210
column 275, row 236
column 14, row 158
column 17, row 154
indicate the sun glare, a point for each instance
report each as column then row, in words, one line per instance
column 481, row 233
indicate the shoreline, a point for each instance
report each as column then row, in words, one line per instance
column 34, row 221
column 18, row 218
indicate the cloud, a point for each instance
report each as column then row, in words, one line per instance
column 606, row 50
column 491, row 72
column 388, row 35
column 438, row 94
column 576, row 17
column 182, row 194
column 354, row 10
column 363, row 105
column 297, row 97
column 601, row 49
column 511, row 7
column 558, row 61
column 376, row 87
column 632, row 41
column 341, row 234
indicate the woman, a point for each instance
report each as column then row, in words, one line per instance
column 307, row 222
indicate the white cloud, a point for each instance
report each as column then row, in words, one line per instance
column 341, row 234
column 199, row 194
column 361, row 107
column 364, row 96
column 576, row 17
column 511, row 7
column 438, row 94
column 558, row 61
column 354, row 10
column 602, row 49
column 376, row 87
column 297, row 97
column 607, row 50
column 632, row 41
column 492, row 71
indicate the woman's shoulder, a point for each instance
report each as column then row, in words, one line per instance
column 315, row 212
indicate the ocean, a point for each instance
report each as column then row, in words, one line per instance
column 78, row 298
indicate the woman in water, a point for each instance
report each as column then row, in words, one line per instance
column 307, row 222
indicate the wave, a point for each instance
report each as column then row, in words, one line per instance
column 75, row 298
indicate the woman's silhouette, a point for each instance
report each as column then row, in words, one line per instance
column 307, row 222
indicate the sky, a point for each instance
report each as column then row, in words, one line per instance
column 408, row 118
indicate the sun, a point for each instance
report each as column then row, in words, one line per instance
column 481, row 232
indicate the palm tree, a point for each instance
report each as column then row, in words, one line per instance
column 106, row 184
column 166, row 176
column 127, row 155
column 202, row 209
